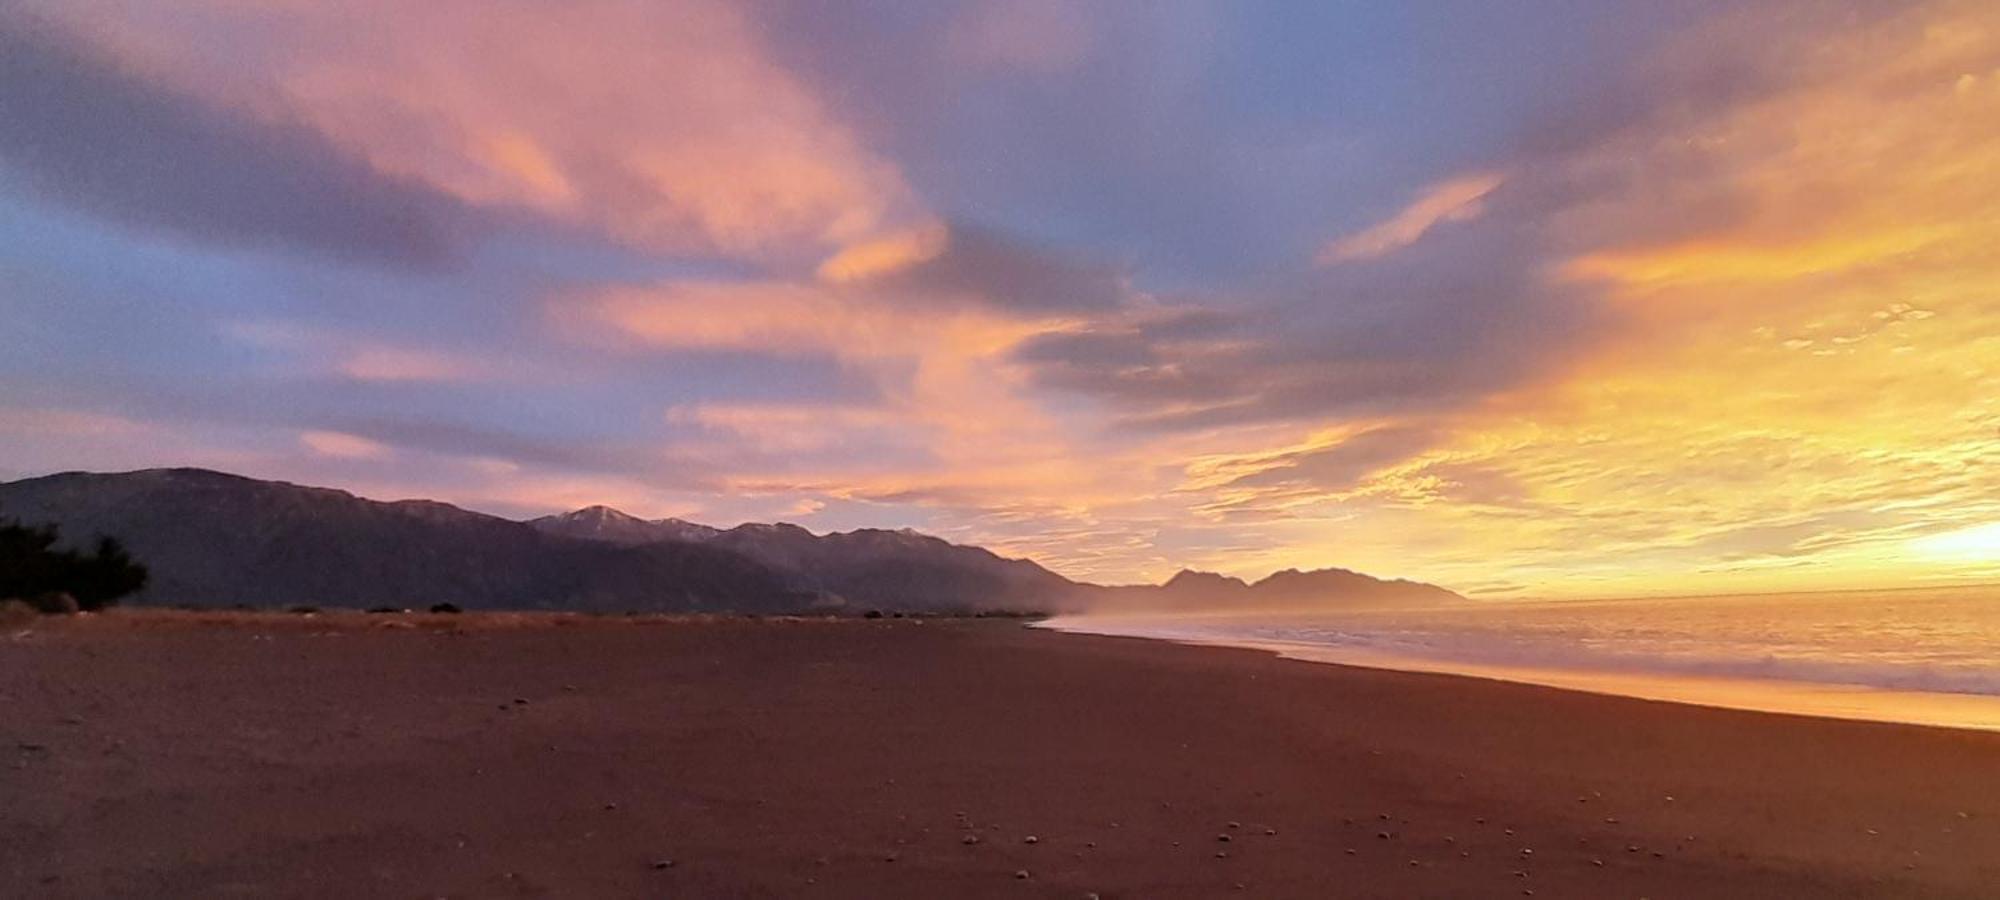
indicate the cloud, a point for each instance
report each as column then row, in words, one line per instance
column 1729, row 310
column 343, row 446
column 1465, row 316
column 962, row 263
column 938, row 371
column 886, row 255
column 361, row 357
column 1038, row 36
column 1001, row 271
column 379, row 363
column 666, row 125
column 1455, row 200
column 879, row 437
column 636, row 460
column 1343, row 465
column 1160, row 365
column 86, row 131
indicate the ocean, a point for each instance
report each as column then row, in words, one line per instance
column 1927, row 656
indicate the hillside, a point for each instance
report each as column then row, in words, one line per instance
column 215, row 539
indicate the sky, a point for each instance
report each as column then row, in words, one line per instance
column 1553, row 298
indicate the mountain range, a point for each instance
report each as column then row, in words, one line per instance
column 216, row 539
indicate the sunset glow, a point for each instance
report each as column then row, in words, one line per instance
column 1707, row 300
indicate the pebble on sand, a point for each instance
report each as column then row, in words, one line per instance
column 1031, row 839
column 663, row 864
column 969, row 839
column 1223, row 838
column 1021, row 874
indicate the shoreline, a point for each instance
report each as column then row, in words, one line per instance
column 529, row 755
column 1774, row 696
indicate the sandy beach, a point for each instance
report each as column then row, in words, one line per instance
column 342, row 755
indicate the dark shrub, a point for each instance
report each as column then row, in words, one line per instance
column 380, row 610
column 303, row 610
column 451, row 608
column 872, row 614
column 32, row 567
column 55, row 603
column 106, row 575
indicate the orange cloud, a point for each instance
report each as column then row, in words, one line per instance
column 791, row 428
column 885, row 256
column 1801, row 389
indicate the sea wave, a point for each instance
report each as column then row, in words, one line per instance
column 1944, row 642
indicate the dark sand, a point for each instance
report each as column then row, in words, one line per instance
column 161, row 755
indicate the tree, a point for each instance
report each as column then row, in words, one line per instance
column 103, row 577
column 31, row 566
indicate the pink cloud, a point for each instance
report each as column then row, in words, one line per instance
column 342, row 446
column 385, row 363
column 1043, row 36
column 667, row 125
column 1455, row 200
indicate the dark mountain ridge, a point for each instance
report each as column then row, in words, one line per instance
column 212, row 539
column 216, row 539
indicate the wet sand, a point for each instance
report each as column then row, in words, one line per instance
column 155, row 754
